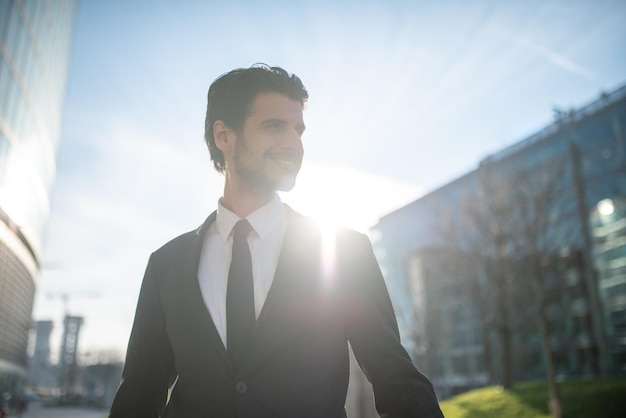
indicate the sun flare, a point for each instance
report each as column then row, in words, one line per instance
column 342, row 197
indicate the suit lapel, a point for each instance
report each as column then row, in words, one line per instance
column 297, row 253
column 298, row 249
column 286, row 263
column 198, row 307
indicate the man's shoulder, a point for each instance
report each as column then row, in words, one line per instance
column 181, row 241
column 184, row 242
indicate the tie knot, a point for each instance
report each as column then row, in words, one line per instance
column 242, row 229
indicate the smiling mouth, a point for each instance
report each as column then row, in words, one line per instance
column 289, row 161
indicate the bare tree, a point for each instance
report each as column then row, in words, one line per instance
column 480, row 232
column 541, row 230
column 523, row 215
column 512, row 227
column 103, row 373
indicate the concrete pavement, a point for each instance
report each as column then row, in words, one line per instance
column 36, row 410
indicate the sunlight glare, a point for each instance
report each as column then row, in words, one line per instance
column 328, row 253
column 342, row 197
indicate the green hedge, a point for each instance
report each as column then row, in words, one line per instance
column 581, row 398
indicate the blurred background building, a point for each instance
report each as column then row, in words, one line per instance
column 532, row 241
column 608, row 230
column 35, row 43
column 68, row 364
column 40, row 368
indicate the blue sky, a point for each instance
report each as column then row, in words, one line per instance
column 404, row 97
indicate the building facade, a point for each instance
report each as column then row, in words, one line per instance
column 531, row 241
column 41, row 372
column 35, row 40
column 608, row 225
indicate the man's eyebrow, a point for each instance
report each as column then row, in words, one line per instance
column 273, row 120
column 301, row 126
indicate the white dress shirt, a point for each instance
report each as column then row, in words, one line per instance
column 265, row 241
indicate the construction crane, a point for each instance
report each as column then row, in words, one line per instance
column 65, row 297
column 68, row 367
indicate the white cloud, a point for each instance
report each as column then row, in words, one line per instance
column 555, row 58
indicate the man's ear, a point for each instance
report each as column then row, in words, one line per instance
column 224, row 136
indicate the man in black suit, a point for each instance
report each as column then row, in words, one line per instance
column 251, row 314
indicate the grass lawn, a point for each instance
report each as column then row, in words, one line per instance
column 581, row 398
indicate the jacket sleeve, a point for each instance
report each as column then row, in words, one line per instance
column 400, row 389
column 149, row 368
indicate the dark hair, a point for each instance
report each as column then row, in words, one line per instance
column 231, row 95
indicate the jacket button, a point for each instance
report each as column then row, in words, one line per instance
column 241, row 387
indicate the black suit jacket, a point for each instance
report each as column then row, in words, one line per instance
column 327, row 291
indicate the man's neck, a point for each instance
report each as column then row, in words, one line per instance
column 243, row 204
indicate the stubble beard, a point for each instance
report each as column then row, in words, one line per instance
column 253, row 178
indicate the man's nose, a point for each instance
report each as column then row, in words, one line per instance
column 293, row 139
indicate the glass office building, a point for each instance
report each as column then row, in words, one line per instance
column 444, row 298
column 608, row 225
column 35, row 41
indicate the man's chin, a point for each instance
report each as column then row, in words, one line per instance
column 286, row 183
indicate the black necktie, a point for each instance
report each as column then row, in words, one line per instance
column 240, row 315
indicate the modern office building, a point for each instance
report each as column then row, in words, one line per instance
column 465, row 263
column 608, row 225
column 35, row 40
column 41, row 372
column 41, row 352
column 68, row 366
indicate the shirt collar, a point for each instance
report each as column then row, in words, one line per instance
column 263, row 220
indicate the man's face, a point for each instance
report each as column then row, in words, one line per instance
column 268, row 150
